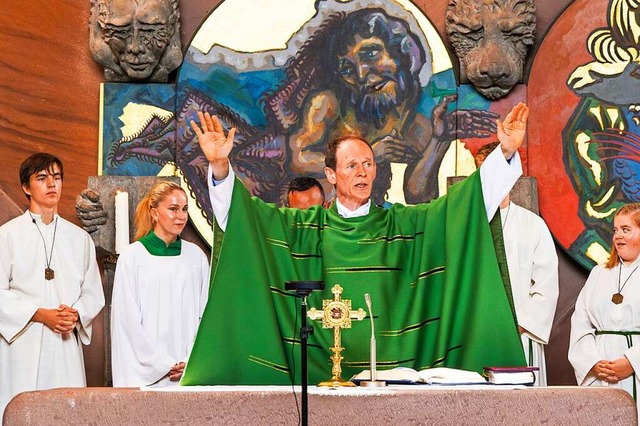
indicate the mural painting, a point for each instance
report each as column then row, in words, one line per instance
column 591, row 122
column 376, row 69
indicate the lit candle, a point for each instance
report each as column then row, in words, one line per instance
column 122, row 220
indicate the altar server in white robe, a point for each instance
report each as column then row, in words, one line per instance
column 160, row 290
column 604, row 346
column 50, row 289
column 533, row 272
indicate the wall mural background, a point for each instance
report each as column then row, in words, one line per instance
column 360, row 67
column 50, row 101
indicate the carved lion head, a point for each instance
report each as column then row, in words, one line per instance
column 491, row 38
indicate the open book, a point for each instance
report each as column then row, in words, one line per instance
column 511, row 375
column 439, row 375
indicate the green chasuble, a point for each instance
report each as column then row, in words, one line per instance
column 431, row 270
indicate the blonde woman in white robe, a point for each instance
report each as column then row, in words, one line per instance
column 604, row 347
column 160, row 290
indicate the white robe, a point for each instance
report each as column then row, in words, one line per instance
column 595, row 311
column 156, row 308
column 33, row 357
column 533, row 272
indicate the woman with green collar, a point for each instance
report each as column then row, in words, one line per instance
column 160, row 289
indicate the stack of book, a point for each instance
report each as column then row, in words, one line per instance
column 430, row 376
column 511, row 375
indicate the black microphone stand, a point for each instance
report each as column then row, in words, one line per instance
column 304, row 336
column 303, row 289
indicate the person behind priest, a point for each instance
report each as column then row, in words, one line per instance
column 604, row 346
column 304, row 192
column 427, row 280
column 160, row 288
column 533, row 274
column 50, row 289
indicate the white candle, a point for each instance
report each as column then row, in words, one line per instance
column 122, row 220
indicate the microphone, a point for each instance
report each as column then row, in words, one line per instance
column 374, row 375
column 367, row 299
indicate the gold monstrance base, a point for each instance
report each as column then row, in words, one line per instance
column 336, row 384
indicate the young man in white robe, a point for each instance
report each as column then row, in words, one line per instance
column 50, row 289
column 533, row 272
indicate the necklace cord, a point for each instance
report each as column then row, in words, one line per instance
column 628, row 278
column 47, row 257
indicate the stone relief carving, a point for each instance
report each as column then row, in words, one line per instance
column 491, row 39
column 135, row 40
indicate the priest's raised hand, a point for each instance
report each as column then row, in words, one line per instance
column 512, row 130
column 214, row 144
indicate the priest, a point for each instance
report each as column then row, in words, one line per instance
column 50, row 289
column 430, row 269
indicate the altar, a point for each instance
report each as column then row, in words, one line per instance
column 276, row 405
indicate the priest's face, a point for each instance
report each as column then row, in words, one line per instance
column 170, row 216
column 354, row 173
column 626, row 237
column 44, row 189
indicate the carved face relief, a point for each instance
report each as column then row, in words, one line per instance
column 490, row 38
column 137, row 34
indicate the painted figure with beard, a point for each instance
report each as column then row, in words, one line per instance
column 358, row 75
column 602, row 138
column 136, row 40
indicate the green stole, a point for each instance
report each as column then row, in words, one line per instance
column 431, row 271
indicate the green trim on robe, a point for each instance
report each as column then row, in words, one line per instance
column 431, row 270
column 501, row 256
column 157, row 247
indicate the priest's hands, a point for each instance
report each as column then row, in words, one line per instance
column 512, row 130
column 176, row 371
column 214, row 144
column 61, row 320
column 612, row 371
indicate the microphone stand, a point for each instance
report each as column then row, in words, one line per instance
column 303, row 289
column 304, row 336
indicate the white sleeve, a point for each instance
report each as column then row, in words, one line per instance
column 15, row 311
column 91, row 300
column 204, row 293
column 206, row 278
column 542, row 298
column 633, row 355
column 498, row 176
column 583, row 352
column 136, row 359
column 220, row 196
